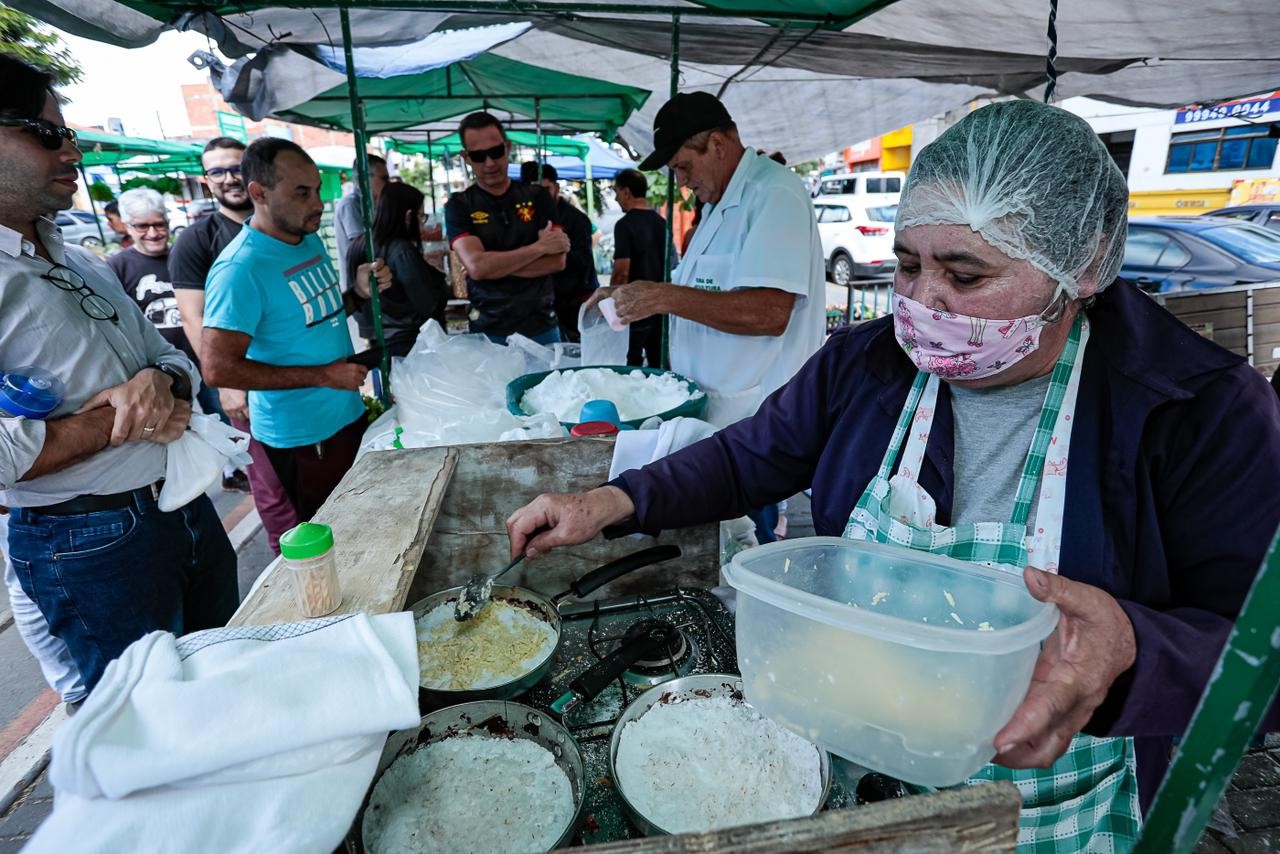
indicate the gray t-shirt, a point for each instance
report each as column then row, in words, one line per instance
column 993, row 432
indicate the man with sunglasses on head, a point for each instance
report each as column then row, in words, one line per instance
column 87, row 541
column 506, row 236
column 190, row 260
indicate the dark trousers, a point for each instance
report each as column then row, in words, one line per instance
column 309, row 473
column 105, row 579
column 269, row 498
column 645, row 349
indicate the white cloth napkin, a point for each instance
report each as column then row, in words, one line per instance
column 246, row 739
column 635, row 448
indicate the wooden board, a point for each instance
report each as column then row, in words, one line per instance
column 973, row 818
column 382, row 513
column 493, row 480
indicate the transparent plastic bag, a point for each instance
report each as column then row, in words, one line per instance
column 601, row 345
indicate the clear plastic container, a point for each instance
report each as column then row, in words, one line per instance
column 307, row 550
column 902, row 661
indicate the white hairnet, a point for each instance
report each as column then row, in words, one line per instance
column 1035, row 181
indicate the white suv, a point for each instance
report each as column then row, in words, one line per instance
column 862, row 184
column 857, row 237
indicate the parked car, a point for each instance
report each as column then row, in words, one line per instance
column 201, row 208
column 863, row 184
column 79, row 227
column 1265, row 215
column 1174, row 253
column 857, row 238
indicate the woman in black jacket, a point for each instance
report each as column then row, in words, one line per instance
column 418, row 291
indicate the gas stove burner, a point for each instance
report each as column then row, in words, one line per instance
column 675, row 648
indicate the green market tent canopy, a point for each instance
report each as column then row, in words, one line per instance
column 108, row 149
column 451, row 145
column 488, row 81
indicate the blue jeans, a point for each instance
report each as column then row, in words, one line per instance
column 551, row 336
column 103, row 580
column 766, row 519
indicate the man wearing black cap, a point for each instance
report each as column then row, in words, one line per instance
column 506, row 236
column 747, row 301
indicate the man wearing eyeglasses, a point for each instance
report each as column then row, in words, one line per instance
column 506, row 236
column 87, row 541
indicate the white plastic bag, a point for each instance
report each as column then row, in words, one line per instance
column 196, row 460
column 601, row 345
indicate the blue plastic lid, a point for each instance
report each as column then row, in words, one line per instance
column 600, row 410
column 29, row 392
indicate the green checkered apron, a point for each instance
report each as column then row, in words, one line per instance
column 1088, row 799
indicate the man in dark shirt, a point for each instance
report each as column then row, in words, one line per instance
column 505, row 234
column 639, row 246
column 189, row 262
column 575, row 284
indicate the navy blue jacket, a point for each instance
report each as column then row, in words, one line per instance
column 1171, row 503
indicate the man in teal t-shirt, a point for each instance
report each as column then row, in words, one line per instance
column 275, row 324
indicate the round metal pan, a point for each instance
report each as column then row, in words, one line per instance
column 509, row 720
column 700, row 686
column 537, row 604
column 544, row 607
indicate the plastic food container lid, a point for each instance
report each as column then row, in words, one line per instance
column 776, row 574
column 310, row 539
column 594, row 428
column 29, row 392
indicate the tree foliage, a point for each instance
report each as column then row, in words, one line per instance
column 27, row 39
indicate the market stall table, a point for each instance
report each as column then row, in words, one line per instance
column 408, row 523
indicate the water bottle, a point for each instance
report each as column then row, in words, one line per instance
column 29, row 392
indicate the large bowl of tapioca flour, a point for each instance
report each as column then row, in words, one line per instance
column 638, row 393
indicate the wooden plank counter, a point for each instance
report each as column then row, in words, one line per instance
column 408, row 523
column 381, row 513
column 973, row 818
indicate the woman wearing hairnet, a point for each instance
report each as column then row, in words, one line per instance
column 1019, row 408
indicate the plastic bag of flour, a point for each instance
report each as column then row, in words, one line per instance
column 601, row 345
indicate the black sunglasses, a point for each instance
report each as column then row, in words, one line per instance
column 51, row 136
column 218, row 173
column 92, row 303
column 485, row 153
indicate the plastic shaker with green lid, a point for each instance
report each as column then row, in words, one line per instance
column 308, row 553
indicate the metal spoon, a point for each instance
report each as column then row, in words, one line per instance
column 478, row 593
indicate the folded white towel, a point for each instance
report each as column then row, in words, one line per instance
column 246, row 739
column 635, row 448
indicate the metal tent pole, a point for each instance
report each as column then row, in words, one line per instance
column 93, row 206
column 1240, row 691
column 537, row 120
column 669, row 259
column 586, row 168
column 366, row 196
column 431, row 174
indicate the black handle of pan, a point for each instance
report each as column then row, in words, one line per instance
column 597, row 578
column 652, row 644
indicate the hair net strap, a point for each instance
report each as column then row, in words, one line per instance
column 1051, row 61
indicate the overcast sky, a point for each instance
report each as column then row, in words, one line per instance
column 141, row 87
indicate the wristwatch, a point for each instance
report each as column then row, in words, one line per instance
column 181, row 388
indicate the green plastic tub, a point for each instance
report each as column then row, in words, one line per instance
column 689, row 409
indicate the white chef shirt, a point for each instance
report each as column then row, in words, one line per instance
column 761, row 234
